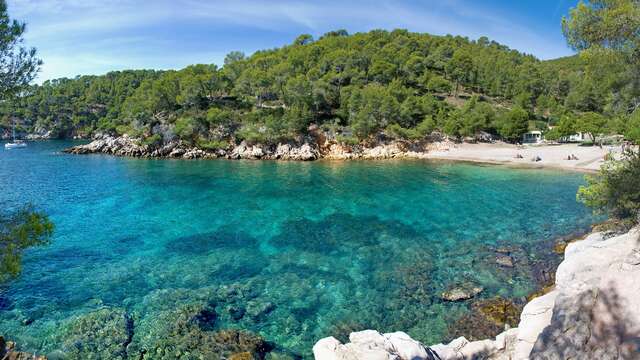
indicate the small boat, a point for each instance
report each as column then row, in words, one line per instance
column 14, row 144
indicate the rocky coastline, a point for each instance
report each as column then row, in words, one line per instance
column 307, row 149
column 319, row 145
column 592, row 312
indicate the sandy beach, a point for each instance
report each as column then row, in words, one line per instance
column 589, row 158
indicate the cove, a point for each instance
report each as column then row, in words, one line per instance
column 291, row 251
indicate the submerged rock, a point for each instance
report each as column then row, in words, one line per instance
column 504, row 260
column 488, row 317
column 462, row 292
column 236, row 312
column 190, row 332
column 100, row 334
column 500, row 311
column 257, row 310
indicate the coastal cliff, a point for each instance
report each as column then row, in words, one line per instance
column 593, row 312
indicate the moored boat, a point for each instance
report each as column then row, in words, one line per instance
column 14, row 144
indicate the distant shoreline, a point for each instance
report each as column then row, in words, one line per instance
column 585, row 159
column 510, row 164
column 589, row 159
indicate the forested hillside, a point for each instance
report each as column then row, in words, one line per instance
column 406, row 84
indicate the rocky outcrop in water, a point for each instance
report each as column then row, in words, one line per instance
column 593, row 313
column 121, row 146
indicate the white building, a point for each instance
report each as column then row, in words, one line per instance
column 532, row 137
column 577, row 138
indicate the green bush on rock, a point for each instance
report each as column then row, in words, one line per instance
column 615, row 189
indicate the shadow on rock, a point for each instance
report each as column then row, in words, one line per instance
column 593, row 325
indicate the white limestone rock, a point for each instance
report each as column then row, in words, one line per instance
column 371, row 345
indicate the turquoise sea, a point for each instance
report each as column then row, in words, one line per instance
column 291, row 251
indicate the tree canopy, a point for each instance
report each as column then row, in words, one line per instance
column 614, row 190
column 360, row 84
column 18, row 231
column 607, row 32
column 18, row 64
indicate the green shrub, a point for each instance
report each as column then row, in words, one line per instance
column 439, row 84
column 397, row 131
column 124, row 129
column 514, row 123
column 633, row 127
column 615, row 190
column 187, row 128
column 347, row 140
column 252, row 135
column 152, row 140
column 424, row 128
column 212, row 144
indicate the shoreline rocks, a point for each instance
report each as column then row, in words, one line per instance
column 592, row 313
column 306, row 149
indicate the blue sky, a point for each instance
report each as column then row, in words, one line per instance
column 96, row 36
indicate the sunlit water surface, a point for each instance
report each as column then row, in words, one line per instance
column 329, row 247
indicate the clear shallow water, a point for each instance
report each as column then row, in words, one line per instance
column 322, row 248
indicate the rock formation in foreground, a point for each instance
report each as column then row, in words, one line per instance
column 8, row 352
column 593, row 313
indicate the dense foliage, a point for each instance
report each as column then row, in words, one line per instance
column 18, row 64
column 19, row 231
column 409, row 84
column 607, row 32
column 615, row 190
